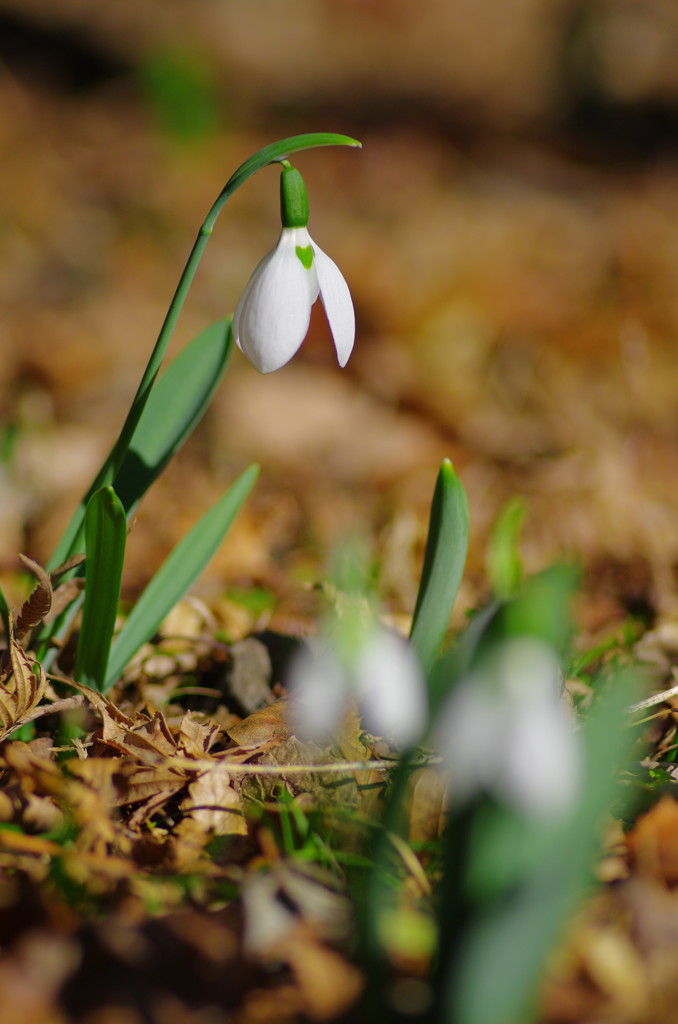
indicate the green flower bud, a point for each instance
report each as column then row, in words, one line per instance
column 293, row 199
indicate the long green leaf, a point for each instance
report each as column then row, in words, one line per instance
column 176, row 404
column 444, row 561
column 105, row 535
column 71, row 539
column 177, row 574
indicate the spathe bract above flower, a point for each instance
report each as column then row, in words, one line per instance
column 272, row 316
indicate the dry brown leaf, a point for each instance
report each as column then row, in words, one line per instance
column 100, row 773
column 428, row 788
column 150, row 739
column 146, row 782
column 34, row 767
column 214, row 804
column 20, row 688
column 329, row 985
column 270, row 725
column 653, row 843
column 196, row 737
column 38, row 604
column 65, row 594
column 146, row 739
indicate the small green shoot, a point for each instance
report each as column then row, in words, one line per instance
column 444, row 561
column 504, row 564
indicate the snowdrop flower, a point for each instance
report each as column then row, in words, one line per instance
column 505, row 731
column 382, row 674
column 272, row 316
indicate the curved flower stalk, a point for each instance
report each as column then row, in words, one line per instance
column 272, row 316
column 380, row 671
column 504, row 731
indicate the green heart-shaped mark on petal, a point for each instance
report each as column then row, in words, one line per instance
column 305, row 254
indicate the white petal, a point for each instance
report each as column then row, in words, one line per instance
column 273, row 314
column 468, row 731
column 336, row 298
column 528, row 669
column 244, row 298
column 391, row 689
column 319, row 690
column 267, row 918
column 542, row 760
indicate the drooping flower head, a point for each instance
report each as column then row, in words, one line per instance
column 363, row 661
column 504, row 731
column 272, row 316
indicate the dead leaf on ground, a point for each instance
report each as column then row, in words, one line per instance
column 653, row 842
column 22, row 685
column 270, row 725
column 213, row 803
column 38, row 605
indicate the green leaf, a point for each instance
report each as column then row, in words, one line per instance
column 504, row 565
column 542, row 609
column 176, row 405
column 177, row 574
column 444, row 561
column 105, row 535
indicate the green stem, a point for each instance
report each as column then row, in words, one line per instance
column 72, row 538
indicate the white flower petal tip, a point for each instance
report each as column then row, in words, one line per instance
column 391, row 688
column 336, row 298
column 272, row 316
column 319, row 690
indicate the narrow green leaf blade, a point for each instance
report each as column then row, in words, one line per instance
column 444, row 561
column 178, row 572
column 175, row 406
column 284, row 148
column 504, row 564
column 105, row 536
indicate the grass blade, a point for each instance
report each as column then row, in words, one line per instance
column 444, row 562
column 175, row 406
column 105, row 535
column 177, row 574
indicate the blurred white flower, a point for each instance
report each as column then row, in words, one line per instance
column 504, row 730
column 382, row 674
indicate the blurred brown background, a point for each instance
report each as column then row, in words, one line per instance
column 509, row 233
